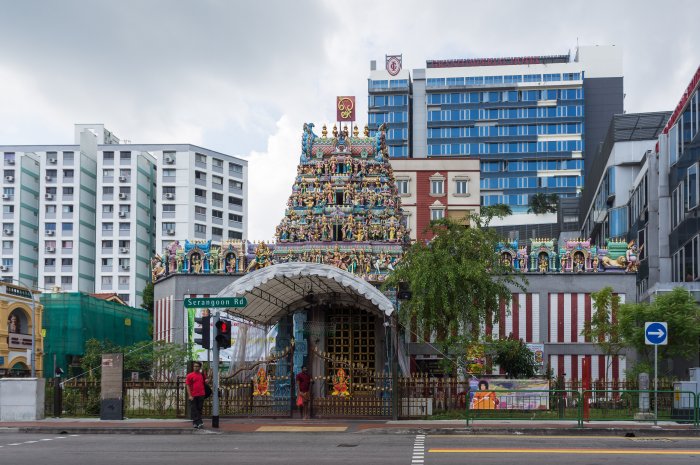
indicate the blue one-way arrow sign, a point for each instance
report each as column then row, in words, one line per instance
column 655, row 333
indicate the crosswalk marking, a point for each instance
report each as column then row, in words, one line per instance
column 418, row 457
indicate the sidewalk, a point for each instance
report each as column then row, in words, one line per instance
column 263, row 425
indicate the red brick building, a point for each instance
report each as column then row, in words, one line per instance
column 434, row 188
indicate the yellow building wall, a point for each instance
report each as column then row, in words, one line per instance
column 10, row 357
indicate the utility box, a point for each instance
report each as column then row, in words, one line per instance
column 695, row 374
column 684, row 400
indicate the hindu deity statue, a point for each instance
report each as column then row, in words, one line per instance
column 340, row 384
column 261, row 383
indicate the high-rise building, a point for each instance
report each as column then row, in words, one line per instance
column 89, row 216
column 532, row 121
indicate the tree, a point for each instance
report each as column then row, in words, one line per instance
column 147, row 304
column 456, row 279
column 514, row 357
column 604, row 329
column 542, row 203
column 679, row 309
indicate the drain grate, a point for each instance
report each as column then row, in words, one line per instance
column 347, row 445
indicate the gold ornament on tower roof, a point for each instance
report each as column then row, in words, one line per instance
column 355, row 131
column 335, row 131
column 324, row 131
column 366, row 131
column 345, row 131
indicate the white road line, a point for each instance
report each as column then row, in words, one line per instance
column 30, row 442
column 45, row 439
column 15, row 444
column 418, row 457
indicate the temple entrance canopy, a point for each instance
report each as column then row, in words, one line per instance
column 280, row 290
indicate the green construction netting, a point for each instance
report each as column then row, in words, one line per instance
column 70, row 319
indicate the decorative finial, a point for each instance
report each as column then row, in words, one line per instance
column 335, row 131
column 324, row 131
column 345, row 131
column 355, row 132
column 366, row 131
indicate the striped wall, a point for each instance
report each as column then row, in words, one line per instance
column 163, row 318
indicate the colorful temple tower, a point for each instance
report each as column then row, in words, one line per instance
column 344, row 209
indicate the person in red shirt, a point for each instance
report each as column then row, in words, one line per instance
column 195, row 392
column 304, row 390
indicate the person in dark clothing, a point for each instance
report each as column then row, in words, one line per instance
column 195, row 392
column 304, row 390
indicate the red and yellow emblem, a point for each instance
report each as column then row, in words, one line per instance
column 340, row 384
column 262, row 383
column 345, row 108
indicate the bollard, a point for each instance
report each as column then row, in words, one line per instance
column 57, row 397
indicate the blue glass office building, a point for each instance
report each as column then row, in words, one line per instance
column 530, row 120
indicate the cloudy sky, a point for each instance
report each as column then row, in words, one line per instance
column 242, row 77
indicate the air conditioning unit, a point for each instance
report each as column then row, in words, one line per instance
column 49, row 178
column 123, row 196
column 52, row 160
column 124, row 267
column 3, row 268
column 170, row 196
column 9, row 178
column 48, row 196
column 8, row 232
column 122, row 214
column 122, row 178
column 50, row 232
column 124, row 250
column 6, row 196
column 50, row 249
column 170, row 232
column 169, row 160
column 11, row 161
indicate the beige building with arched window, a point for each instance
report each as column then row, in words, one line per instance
column 17, row 306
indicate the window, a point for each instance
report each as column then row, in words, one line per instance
column 125, row 156
column 67, row 244
column 200, row 211
column 168, row 208
column 200, row 228
column 200, row 176
column 235, row 184
column 437, row 213
column 108, row 173
column 217, row 231
column 234, row 217
column 235, row 235
column 216, row 213
column 235, row 201
column 108, row 157
column 124, row 226
column 217, row 163
column 67, row 191
column 200, row 158
column 168, row 227
column 200, row 193
column 692, row 183
column 108, row 226
column 7, row 245
column 217, row 197
column 107, row 208
column 170, row 190
column 66, row 262
column 235, row 168
column 49, row 262
column 169, row 173
column 217, row 180
column 108, row 191
column 67, row 228
column 51, row 209
column 107, row 244
column 437, row 186
column 462, row 186
column 67, row 209
column 402, row 186
column 107, row 282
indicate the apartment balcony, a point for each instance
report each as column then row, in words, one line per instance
column 200, row 182
column 218, row 187
column 66, row 268
column 67, row 215
column 217, row 203
column 107, row 196
column 169, row 178
column 107, row 250
column 200, row 199
column 217, row 169
column 49, row 269
column 68, row 179
column 200, row 217
column 200, row 235
column 123, row 287
column 67, row 197
column 235, row 190
column 235, row 208
column 124, row 232
column 235, row 224
column 50, row 215
column 168, row 215
column 8, row 216
column 108, row 232
column 107, row 179
column 200, row 164
column 107, row 268
column 107, row 215
column 216, row 220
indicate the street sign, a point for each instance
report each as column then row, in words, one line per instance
column 656, row 333
column 215, row 302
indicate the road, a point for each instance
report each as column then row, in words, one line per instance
column 343, row 448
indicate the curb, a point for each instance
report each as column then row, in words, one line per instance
column 626, row 432
column 144, row 431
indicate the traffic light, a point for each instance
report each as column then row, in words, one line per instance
column 223, row 334
column 204, row 330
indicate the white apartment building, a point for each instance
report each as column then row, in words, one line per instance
column 88, row 217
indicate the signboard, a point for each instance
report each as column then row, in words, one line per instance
column 111, row 387
column 215, row 302
column 655, row 333
column 393, row 64
column 538, row 350
column 345, row 108
column 500, row 394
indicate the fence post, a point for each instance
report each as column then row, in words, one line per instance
column 697, row 410
column 467, row 397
